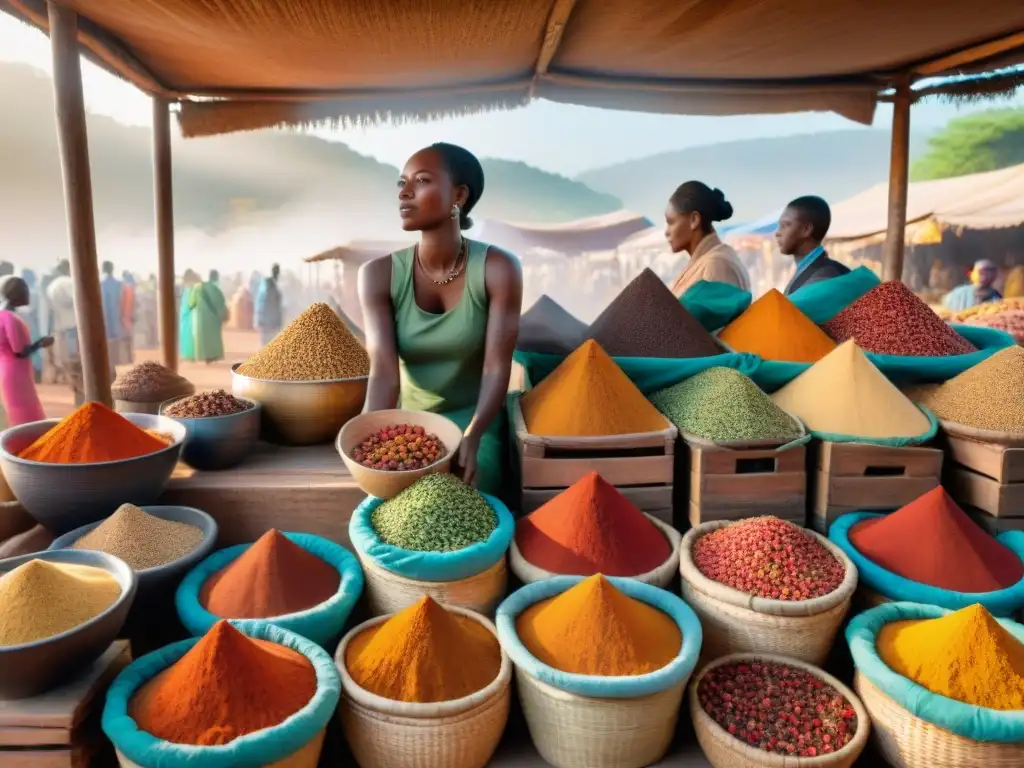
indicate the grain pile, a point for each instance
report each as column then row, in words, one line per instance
column 548, row 327
column 646, row 320
column 775, row 329
column 140, row 539
column 989, row 395
column 150, row 382
column 207, row 404
column 40, row 599
column 723, row 405
column 890, row 320
column 437, row 513
column 316, row 346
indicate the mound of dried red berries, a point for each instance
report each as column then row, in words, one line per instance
column 399, row 447
column 778, row 708
column 768, row 557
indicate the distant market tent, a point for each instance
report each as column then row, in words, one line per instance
column 358, row 252
column 595, row 233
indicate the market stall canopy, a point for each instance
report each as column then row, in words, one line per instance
column 262, row 63
column 990, row 200
column 651, row 239
column 358, row 251
column 762, row 227
column 596, row 233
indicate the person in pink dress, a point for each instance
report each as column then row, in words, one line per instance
column 17, row 382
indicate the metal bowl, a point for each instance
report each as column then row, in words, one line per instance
column 64, row 496
column 302, row 412
column 31, row 668
column 154, row 580
column 218, row 442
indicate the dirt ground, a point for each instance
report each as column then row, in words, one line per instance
column 58, row 400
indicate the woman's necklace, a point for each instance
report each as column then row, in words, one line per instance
column 457, row 267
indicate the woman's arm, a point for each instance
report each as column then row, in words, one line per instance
column 382, row 389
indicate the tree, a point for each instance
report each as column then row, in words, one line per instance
column 985, row 141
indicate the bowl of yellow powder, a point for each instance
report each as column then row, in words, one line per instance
column 59, row 611
column 160, row 543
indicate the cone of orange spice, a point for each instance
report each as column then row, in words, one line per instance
column 92, row 434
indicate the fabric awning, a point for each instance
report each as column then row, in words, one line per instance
column 596, row 233
column 358, row 251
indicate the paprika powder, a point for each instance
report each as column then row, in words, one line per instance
column 591, row 528
column 225, row 686
column 775, row 329
column 91, row 434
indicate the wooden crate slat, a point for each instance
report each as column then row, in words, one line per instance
column 854, row 459
column 619, row 471
column 869, row 493
column 32, row 737
column 991, row 496
column 822, row 520
column 994, row 525
column 43, row 758
column 999, row 462
column 699, row 514
column 646, row 498
column 713, row 461
column 752, row 490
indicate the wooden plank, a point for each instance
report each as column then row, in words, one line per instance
column 42, row 758
column 988, row 495
column 646, row 498
column 67, row 706
column 869, row 493
column 699, row 513
column 752, row 490
column 856, row 459
column 619, row 471
column 722, row 461
column 994, row 525
column 32, row 737
column 1006, row 465
column 822, row 520
column 164, row 211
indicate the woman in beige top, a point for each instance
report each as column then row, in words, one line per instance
column 689, row 218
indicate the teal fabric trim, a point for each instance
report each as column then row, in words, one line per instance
column 891, row 442
column 824, row 300
column 715, row 304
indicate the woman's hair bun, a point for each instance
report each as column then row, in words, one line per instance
column 724, row 206
column 465, row 222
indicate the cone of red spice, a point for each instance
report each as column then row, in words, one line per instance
column 591, row 528
column 932, row 541
column 273, row 577
column 225, row 686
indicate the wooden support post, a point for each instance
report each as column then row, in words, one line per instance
column 899, row 178
column 163, row 191
column 74, row 156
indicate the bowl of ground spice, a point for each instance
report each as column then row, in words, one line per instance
column 245, row 693
column 221, row 429
column 160, row 543
column 765, row 585
column 385, row 483
column 426, row 669
column 941, row 687
column 142, row 388
column 764, row 711
column 310, row 379
column 59, row 611
column 601, row 665
column 79, row 469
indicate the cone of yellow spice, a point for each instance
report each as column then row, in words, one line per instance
column 966, row 655
column 594, row 629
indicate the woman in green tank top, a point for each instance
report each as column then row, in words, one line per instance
column 442, row 317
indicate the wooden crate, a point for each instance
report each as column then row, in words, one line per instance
column 851, row 477
column 729, row 484
column 641, row 466
column 986, row 476
column 61, row 728
column 994, row 525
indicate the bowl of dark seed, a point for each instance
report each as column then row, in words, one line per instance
column 221, row 429
column 142, row 388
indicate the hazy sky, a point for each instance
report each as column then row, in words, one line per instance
column 556, row 137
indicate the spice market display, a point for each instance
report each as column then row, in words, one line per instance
column 149, row 382
column 549, row 328
column 986, row 396
column 207, row 405
column 1003, row 315
column 398, row 448
column 91, row 434
column 775, row 329
column 140, row 539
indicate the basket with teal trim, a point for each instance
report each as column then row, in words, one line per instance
column 323, row 624
column 295, row 743
column 474, row 577
column 589, row 721
column 892, row 586
column 911, row 726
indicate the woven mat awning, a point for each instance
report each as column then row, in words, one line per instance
column 261, row 63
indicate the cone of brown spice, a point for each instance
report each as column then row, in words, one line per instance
column 150, row 382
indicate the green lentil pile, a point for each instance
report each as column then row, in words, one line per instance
column 140, row 539
column 723, row 405
column 437, row 513
column 987, row 396
column 316, row 346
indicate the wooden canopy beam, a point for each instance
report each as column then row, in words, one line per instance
column 74, row 155
column 899, row 180
column 972, row 54
column 555, row 28
column 164, row 209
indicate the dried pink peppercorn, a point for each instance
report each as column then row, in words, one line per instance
column 768, row 557
column 890, row 320
column 778, row 708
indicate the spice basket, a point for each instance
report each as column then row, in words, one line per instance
column 914, row 727
column 661, row 576
column 322, row 623
column 735, row 622
column 726, row 751
column 585, row 721
column 474, row 577
column 892, row 586
column 295, row 743
column 450, row 734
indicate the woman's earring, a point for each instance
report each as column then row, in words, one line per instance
column 455, row 211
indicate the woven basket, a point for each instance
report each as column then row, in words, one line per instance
column 571, row 731
column 725, row 751
column 451, row 734
column 906, row 741
column 307, row 757
column 661, row 576
column 735, row 622
column 387, row 592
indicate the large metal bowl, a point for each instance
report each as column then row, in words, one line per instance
column 153, row 581
column 64, row 496
column 32, row 668
column 302, row 412
column 218, row 442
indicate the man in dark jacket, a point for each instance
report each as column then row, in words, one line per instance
column 802, row 228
